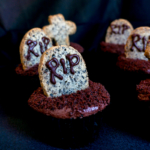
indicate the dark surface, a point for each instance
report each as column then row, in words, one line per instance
column 125, row 123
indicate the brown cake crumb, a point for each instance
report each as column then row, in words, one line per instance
column 80, row 104
column 33, row 71
column 133, row 65
column 77, row 47
column 112, row 48
column 143, row 90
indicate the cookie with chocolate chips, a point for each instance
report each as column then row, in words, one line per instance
column 32, row 46
column 118, row 32
column 136, row 43
column 59, row 29
column 62, row 71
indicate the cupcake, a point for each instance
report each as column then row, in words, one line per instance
column 116, row 36
column 143, row 87
column 135, row 59
column 59, row 30
column 73, row 103
column 32, row 46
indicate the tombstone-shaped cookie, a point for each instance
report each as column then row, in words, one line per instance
column 62, row 71
column 118, row 32
column 32, row 46
column 59, row 29
column 136, row 43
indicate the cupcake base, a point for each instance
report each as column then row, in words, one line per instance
column 80, row 121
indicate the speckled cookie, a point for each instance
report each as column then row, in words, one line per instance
column 136, row 43
column 147, row 50
column 62, row 71
column 118, row 32
column 59, row 29
column 32, row 46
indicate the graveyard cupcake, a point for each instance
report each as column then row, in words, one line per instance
column 32, row 46
column 116, row 36
column 59, row 30
column 143, row 88
column 135, row 58
column 66, row 93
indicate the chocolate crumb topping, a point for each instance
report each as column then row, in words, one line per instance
column 133, row 65
column 33, row 71
column 143, row 90
column 112, row 48
column 82, row 103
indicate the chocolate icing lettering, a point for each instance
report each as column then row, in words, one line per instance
column 62, row 61
column 134, row 42
column 53, row 68
column 72, row 64
column 113, row 27
column 31, row 45
column 46, row 42
column 125, row 27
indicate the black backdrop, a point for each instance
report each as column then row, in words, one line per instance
column 92, row 18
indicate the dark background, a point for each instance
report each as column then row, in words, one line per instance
column 125, row 123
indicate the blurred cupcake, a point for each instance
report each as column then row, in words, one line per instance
column 135, row 59
column 143, row 88
column 59, row 30
column 32, row 46
column 71, row 101
column 116, row 36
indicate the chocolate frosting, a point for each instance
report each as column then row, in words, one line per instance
column 83, row 103
column 33, row 71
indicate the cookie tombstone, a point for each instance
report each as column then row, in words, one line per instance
column 136, row 43
column 59, row 29
column 32, row 46
column 118, row 32
column 62, row 71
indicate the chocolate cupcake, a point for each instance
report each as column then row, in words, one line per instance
column 32, row 46
column 59, row 30
column 116, row 36
column 68, row 96
column 136, row 59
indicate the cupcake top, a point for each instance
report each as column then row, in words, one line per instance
column 59, row 29
column 118, row 32
column 136, row 43
column 66, row 91
column 62, row 71
column 32, row 46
